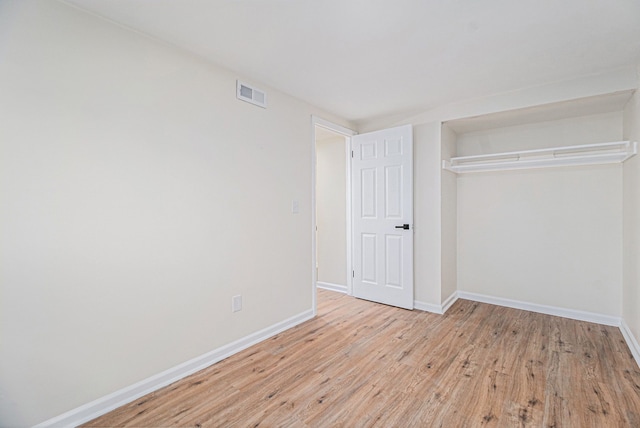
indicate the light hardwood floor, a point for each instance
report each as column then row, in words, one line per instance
column 363, row 364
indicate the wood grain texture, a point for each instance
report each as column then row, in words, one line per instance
column 362, row 364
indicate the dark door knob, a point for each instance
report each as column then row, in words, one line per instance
column 403, row 226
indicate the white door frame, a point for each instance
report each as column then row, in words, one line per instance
column 347, row 133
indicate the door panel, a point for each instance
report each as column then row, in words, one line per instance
column 369, row 269
column 368, row 194
column 393, row 259
column 393, row 191
column 382, row 180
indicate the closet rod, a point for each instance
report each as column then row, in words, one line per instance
column 586, row 154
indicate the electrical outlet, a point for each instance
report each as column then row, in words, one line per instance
column 236, row 303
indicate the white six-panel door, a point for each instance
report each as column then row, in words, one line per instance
column 382, row 216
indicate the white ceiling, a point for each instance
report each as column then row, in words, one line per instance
column 368, row 59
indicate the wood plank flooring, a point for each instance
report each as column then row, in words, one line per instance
column 361, row 364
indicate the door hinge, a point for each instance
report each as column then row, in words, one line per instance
column 353, row 274
column 351, row 153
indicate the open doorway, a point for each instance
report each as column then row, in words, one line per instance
column 332, row 205
column 369, row 195
column 331, row 210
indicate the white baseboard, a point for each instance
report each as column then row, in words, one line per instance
column 436, row 309
column 333, row 287
column 427, row 307
column 632, row 343
column 543, row 309
column 449, row 301
column 128, row 394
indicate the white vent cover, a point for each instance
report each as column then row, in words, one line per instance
column 250, row 94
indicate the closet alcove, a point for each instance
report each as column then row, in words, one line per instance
column 533, row 201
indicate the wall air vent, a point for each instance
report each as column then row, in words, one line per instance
column 250, row 94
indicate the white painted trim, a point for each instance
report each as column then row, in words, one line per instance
column 427, row 307
column 632, row 343
column 332, row 126
column 436, row 309
column 314, row 226
column 130, row 393
column 543, row 309
column 349, row 218
column 449, row 301
column 333, row 287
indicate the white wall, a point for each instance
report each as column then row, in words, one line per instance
column 331, row 208
column 549, row 236
column 137, row 196
column 600, row 128
column 631, row 272
column 427, row 213
column 449, row 212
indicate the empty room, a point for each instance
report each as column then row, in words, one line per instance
column 219, row 213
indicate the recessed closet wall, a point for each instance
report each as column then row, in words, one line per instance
column 544, row 236
column 449, row 208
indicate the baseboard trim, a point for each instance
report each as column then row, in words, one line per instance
column 128, row 394
column 449, row 301
column 427, row 307
column 632, row 343
column 333, row 287
column 436, row 309
column 543, row 309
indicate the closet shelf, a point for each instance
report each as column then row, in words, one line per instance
column 588, row 154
